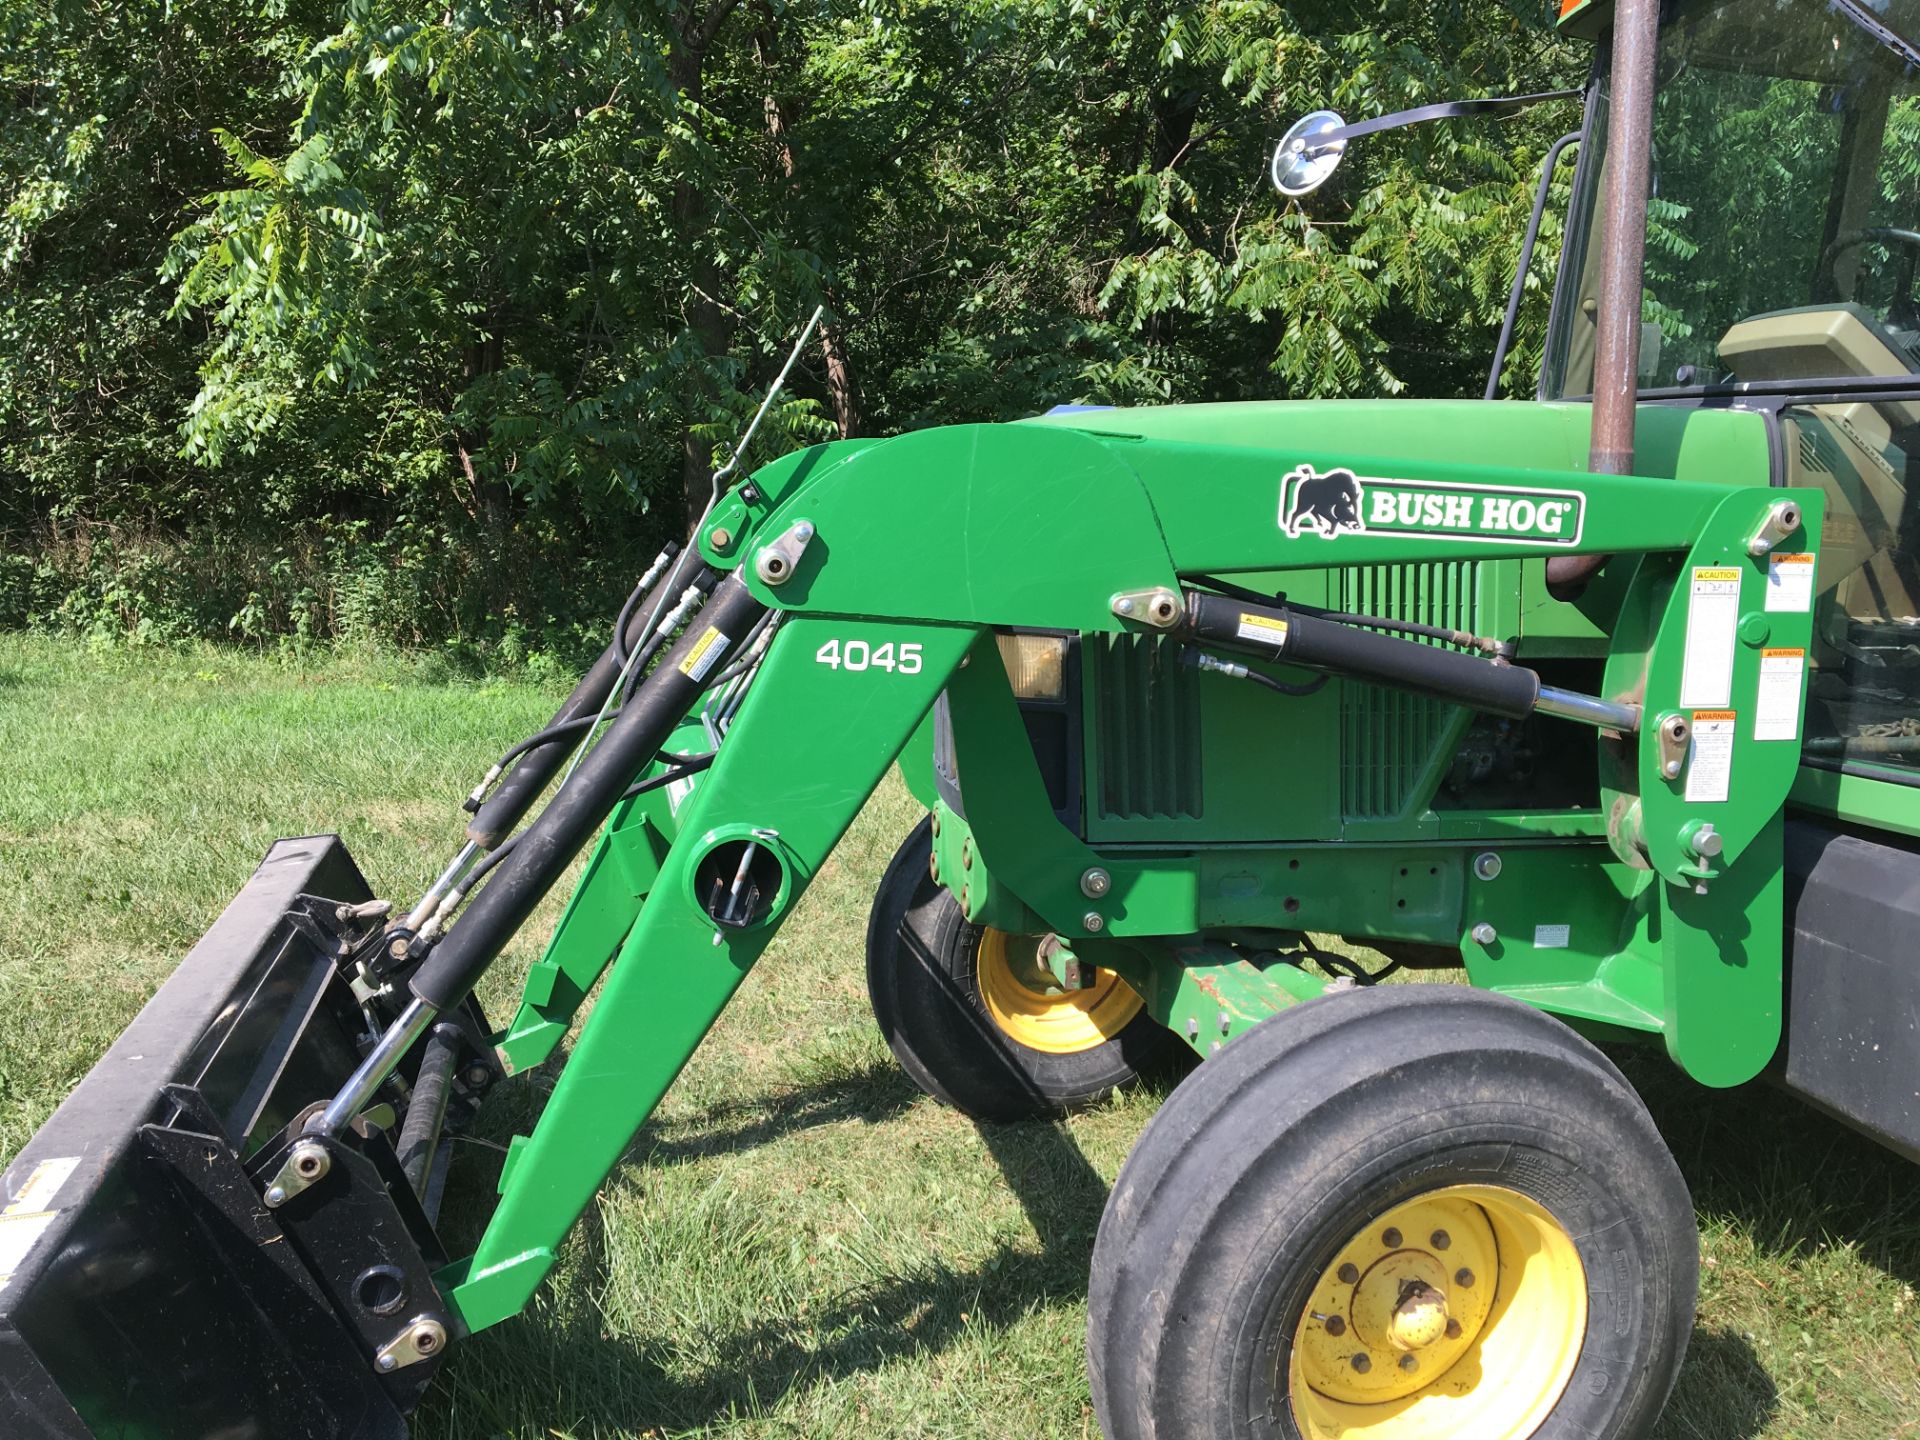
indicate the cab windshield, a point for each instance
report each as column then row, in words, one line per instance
column 1784, row 230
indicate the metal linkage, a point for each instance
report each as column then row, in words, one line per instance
column 543, row 852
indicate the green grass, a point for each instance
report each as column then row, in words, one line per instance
column 799, row 1243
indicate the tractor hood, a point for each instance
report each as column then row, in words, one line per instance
column 1671, row 442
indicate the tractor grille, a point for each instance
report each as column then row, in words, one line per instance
column 1149, row 730
column 1388, row 737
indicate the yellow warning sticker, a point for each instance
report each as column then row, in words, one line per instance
column 42, row 1185
column 1776, row 708
column 1713, row 618
column 1710, row 757
column 1790, row 583
column 704, row 655
column 1263, row 629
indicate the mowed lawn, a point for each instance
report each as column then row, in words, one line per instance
column 799, row 1244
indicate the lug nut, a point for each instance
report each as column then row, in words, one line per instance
column 1408, row 1363
column 1336, row 1327
column 1453, row 1329
column 1463, row 1278
column 1349, row 1274
column 1440, row 1240
column 1361, row 1364
column 1390, row 1238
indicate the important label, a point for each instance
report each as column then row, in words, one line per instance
column 1776, row 708
column 1263, row 629
column 1710, row 759
column 1790, row 583
column 42, row 1185
column 1552, row 937
column 704, row 655
column 1713, row 618
column 18, row 1235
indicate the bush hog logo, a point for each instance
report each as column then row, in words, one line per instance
column 1328, row 503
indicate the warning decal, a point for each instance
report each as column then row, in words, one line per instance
column 1710, row 758
column 704, row 655
column 1790, row 583
column 1263, row 629
column 1776, row 709
column 1713, row 618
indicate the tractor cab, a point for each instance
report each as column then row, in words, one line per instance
column 1782, row 240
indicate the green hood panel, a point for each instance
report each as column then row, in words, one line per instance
column 1671, row 442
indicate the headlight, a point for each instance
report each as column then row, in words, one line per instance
column 1036, row 665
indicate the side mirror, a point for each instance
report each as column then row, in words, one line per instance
column 1310, row 152
column 1303, row 161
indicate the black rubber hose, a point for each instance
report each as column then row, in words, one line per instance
column 1285, row 634
column 509, row 803
column 427, row 1110
column 542, row 854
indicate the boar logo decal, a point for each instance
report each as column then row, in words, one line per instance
column 1326, row 504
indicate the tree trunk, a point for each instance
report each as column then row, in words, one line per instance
column 711, row 326
column 842, row 391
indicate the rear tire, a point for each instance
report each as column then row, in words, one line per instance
column 949, row 999
column 1282, row 1254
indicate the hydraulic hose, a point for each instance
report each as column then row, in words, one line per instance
column 542, row 853
column 503, row 810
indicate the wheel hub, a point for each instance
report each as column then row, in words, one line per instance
column 1460, row 1312
column 1029, row 1005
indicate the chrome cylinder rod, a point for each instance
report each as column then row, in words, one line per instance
column 1588, row 710
column 374, row 1070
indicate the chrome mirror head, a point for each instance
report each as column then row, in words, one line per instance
column 1302, row 163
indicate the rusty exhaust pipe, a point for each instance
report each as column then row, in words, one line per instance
column 1623, row 246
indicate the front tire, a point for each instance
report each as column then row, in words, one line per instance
column 970, row 1016
column 1402, row 1213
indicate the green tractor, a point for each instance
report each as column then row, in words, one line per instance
column 1606, row 702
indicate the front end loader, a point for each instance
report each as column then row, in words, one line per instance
column 1515, row 690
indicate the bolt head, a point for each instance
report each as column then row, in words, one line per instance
column 1093, row 922
column 721, row 537
column 1671, row 769
column 1095, row 883
column 1124, row 605
column 477, row 1075
column 1486, row 865
column 276, row 1195
column 1484, row 934
column 387, row 1362
column 397, row 947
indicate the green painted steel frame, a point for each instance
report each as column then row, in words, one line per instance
column 925, row 542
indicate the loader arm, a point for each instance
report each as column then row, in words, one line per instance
column 886, row 570
column 919, row 547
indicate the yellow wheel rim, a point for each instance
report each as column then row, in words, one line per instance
column 1027, row 1003
column 1458, row 1313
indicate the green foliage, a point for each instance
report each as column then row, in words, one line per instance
column 400, row 326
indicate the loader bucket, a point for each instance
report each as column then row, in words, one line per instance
column 145, row 1288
